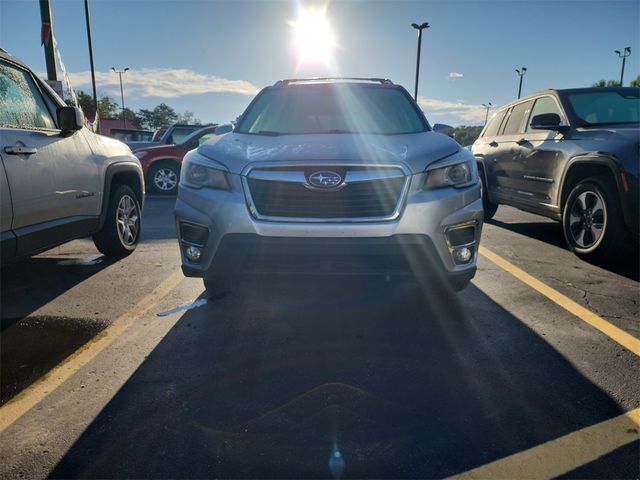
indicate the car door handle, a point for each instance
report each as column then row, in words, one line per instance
column 522, row 141
column 493, row 144
column 20, row 150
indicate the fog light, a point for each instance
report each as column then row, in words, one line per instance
column 462, row 255
column 193, row 253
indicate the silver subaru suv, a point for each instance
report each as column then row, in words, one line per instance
column 330, row 175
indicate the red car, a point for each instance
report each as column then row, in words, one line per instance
column 161, row 164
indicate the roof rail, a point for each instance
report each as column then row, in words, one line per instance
column 289, row 81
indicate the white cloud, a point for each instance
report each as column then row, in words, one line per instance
column 455, row 75
column 161, row 82
column 459, row 111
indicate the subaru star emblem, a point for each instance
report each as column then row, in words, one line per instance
column 325, row 179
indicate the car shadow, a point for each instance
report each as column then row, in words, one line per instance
column 31, row 344
column 319, row 377
column 551, row 233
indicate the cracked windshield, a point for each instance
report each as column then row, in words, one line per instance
column 340, row 239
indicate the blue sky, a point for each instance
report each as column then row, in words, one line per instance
column 210, row 57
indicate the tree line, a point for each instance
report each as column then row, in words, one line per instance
column 616, row 83
column 161, row 116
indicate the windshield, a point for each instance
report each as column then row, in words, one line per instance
column 597, row 108
column 188, row 138
column 312, row 109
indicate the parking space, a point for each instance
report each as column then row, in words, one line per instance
column 317, row 376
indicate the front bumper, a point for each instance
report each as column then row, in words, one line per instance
column 234, row 235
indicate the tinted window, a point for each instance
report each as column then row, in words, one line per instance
column 515, row 118
column 606, row 107
column 21, row 103
column 206, row 138
column 543, row 105
column 332, row 108
column 494, row 124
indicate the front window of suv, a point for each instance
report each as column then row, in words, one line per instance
column 313, row 109
column 604, row 108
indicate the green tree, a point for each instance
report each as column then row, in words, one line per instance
column 636, row 82
column 188, row 117
column 162, row 116
column 606, row 83
column 466, row 135
column 133, row 120
column 107, row 108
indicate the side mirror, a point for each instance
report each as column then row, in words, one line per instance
column 444, row 129
column 548, row 121
column 222, row 129
column 70, row 119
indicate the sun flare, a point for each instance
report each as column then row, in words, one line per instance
column 313, row 36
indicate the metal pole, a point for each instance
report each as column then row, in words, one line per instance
column 487, row 106
column 93, row 72
column 521, row 72
column 419, row 28
column 124, row 117
column 47, row 39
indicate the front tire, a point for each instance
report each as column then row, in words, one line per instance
column 488, row 207
column 121, row 230
column 164, row 178
column 592, row 220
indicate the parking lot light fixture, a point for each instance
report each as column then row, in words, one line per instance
column 623, row 55
column 487, row 106
column 521, row 73
column 120, row 72
column 419, row 28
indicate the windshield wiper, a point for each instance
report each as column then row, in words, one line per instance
column 338, row 131
column 269, row 133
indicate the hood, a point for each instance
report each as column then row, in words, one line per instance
column 618, row 132
column 139, row 145
column 415, row 151
column 156, row 149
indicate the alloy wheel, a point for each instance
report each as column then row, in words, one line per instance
column 587, row 219
column 127, row 220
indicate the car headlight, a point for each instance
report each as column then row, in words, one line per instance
column 456, row 174
column 196, row 175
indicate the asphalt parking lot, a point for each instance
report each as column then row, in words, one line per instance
column 128, row 370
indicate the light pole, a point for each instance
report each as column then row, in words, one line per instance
column 487, row 105
column 419, row 28
column 623, row 55
column 120, row 72
column 521, row 73
column 93, row 72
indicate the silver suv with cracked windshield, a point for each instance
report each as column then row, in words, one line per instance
column 330, row 175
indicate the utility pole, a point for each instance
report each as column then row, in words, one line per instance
column 623, row 55
column 419, row 28
column 487, row 105
column 521, row 74
column 93, row 72
column 46, row 39
column 120, row 72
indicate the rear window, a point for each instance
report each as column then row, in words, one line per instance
column 598, row 108
column 313, row 109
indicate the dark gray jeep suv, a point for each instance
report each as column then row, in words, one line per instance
column 571, row 155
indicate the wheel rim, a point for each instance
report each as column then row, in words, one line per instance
column 127, row 220
column 587, row 219
column 165, row 179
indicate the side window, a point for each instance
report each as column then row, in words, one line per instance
column 21, row 103
column 515, row 118
column 494, row 124
column 179, row 134
column 543, row 105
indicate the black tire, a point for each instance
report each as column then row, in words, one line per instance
column 163, row 177
column 121, row 230
column 592, row 220
column 488, row 207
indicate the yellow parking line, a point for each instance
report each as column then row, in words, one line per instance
column 563, row 454
column 618, row 335
column 32, row 395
